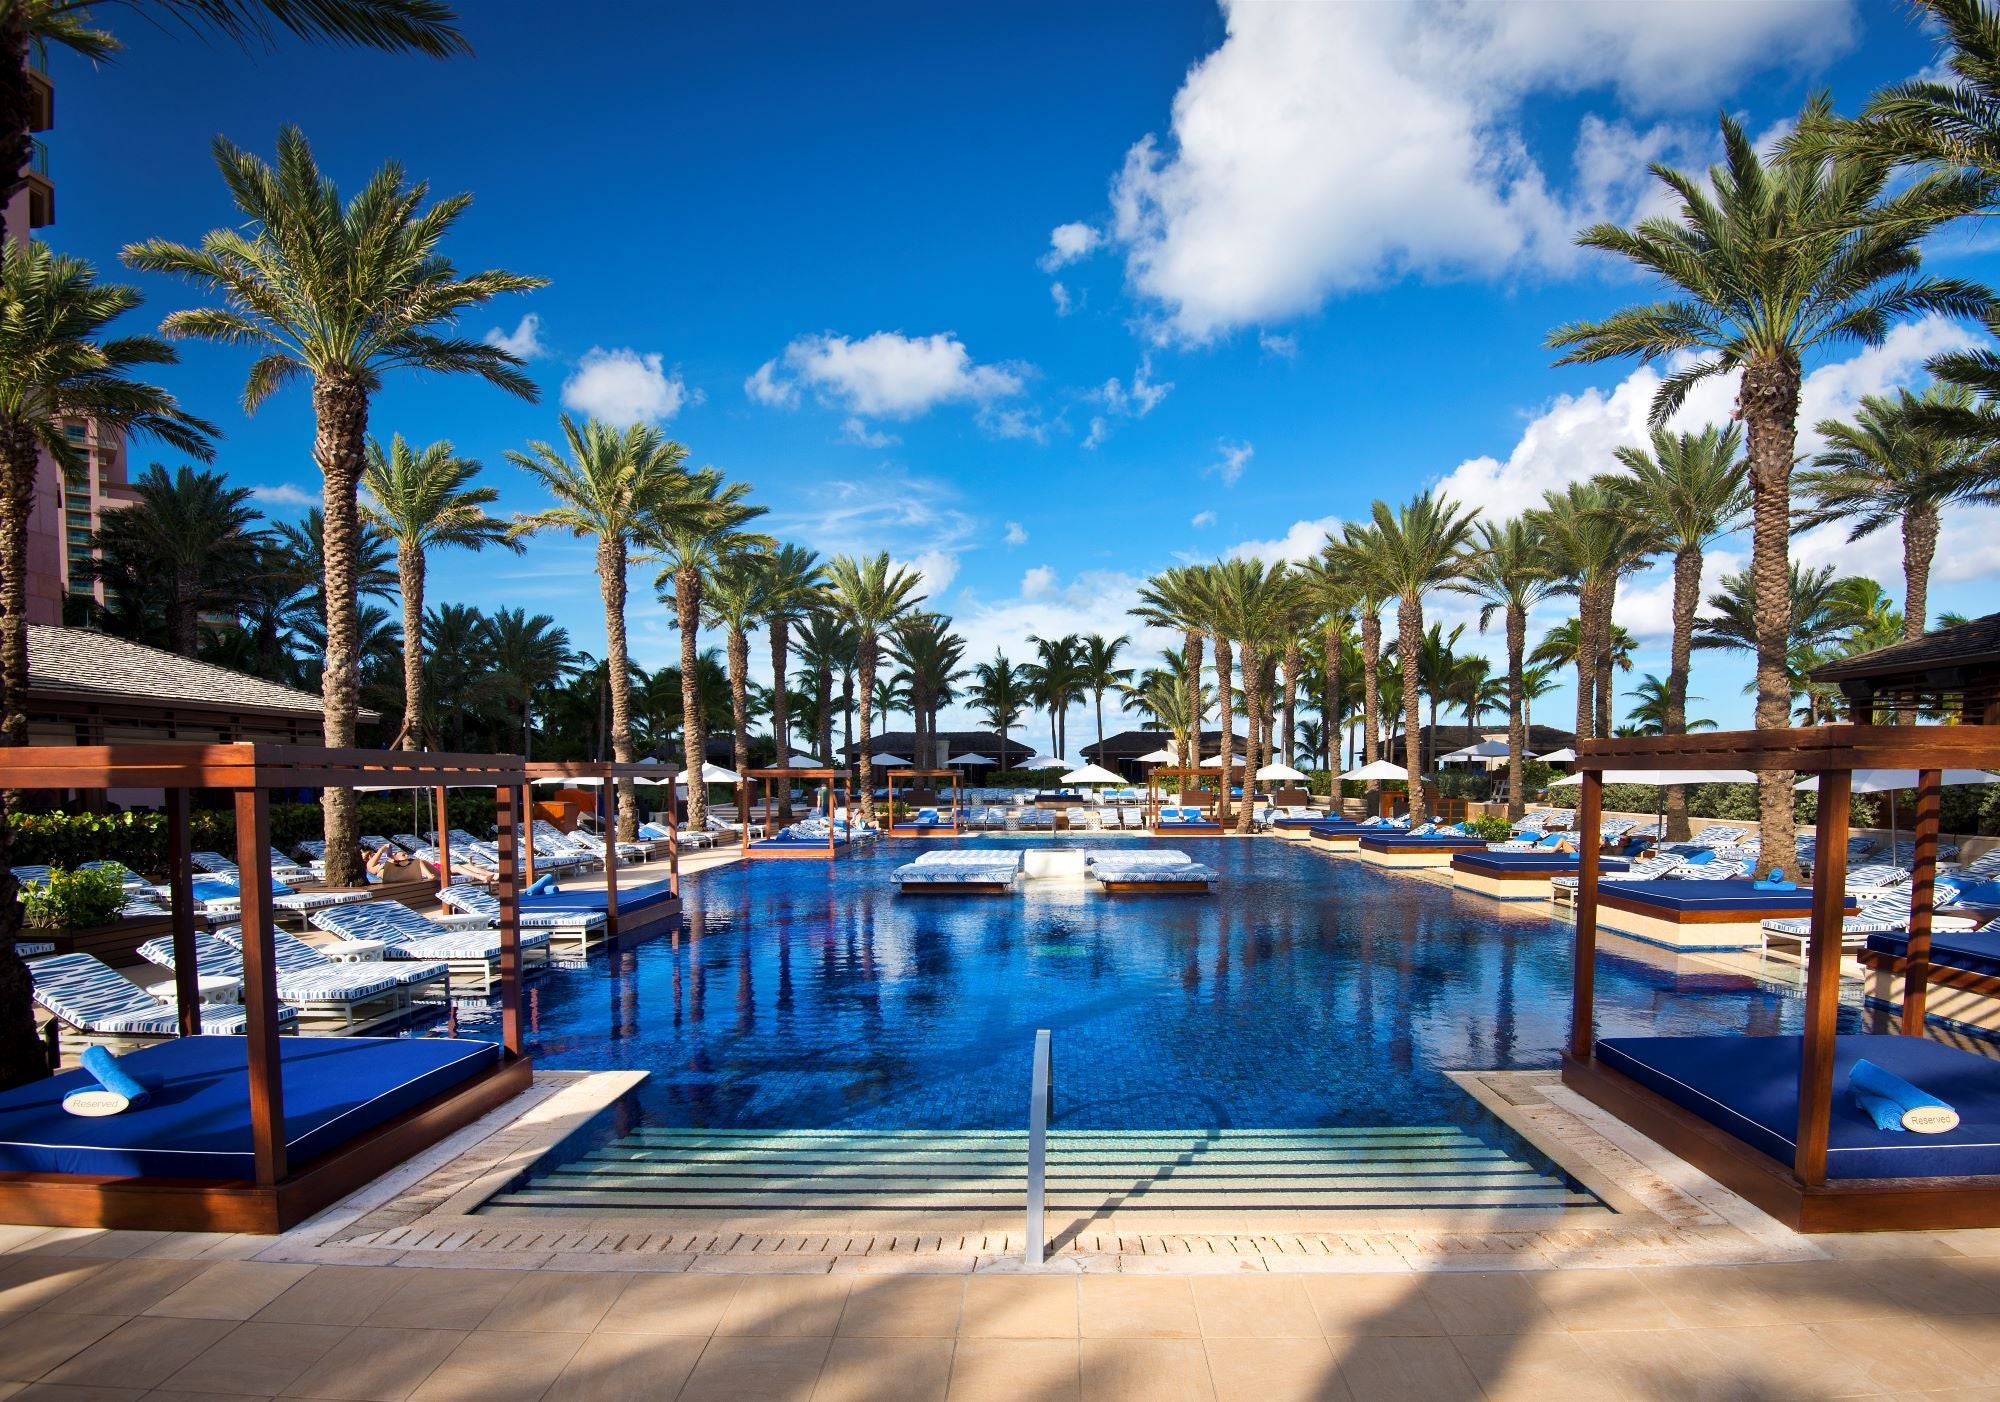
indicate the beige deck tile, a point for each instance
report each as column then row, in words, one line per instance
column 626, row 1368
column 229, row 1290
column 1274, row 1370
column 29, row 1282
column 332, row 1295
column 60, row 1241
column 31, row 1344
column 556, row 1302
column 129, row 1287
column 444, row 1299
column 803, row 1306
column 1254, row 1307
column 1910, row 1356
column 1009, row 1370
column 1782, row 1360
column 688, row 1305
column 257, row 1360
column 922, row 1306
column 1950, row 1394
column 1822, row 1292
column 1648, row 1364
column 377, row 1365
column 19, row 1238
column 141, row 1353
column 1371, row 1304
column 109, row 1245
column 756, row 1370
column 1145, row 1370
column 1546, row 1367
column 885, row 1370
column 1976, row 1241
column 1138, row 1307
column 51, row 1392
column 1487, row 1302
column 1582, row 1301
column 493, row 1368
column 1386, row 1369
column 1019, row 1307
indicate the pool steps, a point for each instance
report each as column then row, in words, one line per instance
column 986, row 1171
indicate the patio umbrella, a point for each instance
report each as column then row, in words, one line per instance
column 1889, row 781
column 1380, row 769
column 1092, row 774
column 798, row 762
column 969, row 759
column 716, row 774
column 1563, row 756
column 579, row 781
column 1046, row 762
column 1215, row 761
column 1159, row 756
column 1272, row 772
column 888, row 761
column 668, row 773
column 1664, row 779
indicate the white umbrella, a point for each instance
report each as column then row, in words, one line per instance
column 667, row 772
column 1092, row 774
column 1484, row 750
column 1563, row 756
column 888, row 761
column 716, row 774
column 1272, row 772
column 1890, row 780
column 1664, row 778
column 1215, row 761
column 1380, row 769
column 1046, row 762
column 970, row 759
column 580, row 781
column 1159, row 756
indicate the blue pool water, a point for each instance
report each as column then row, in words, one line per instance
column 1307, row 990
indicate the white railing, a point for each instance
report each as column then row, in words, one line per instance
column 1041, row 1105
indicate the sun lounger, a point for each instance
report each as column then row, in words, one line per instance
column 583, row 927
column 1885, row 915
column 102, row 1005
column 473, row 954
column 219, row 897
column 347, row 996
column 973, row 871
column 130, row 879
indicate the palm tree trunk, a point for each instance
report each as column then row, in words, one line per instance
column 781, row 718
column 1429, row 753
column 1409, row 642
column 1100, row 723
column 1371, row 694
column 1920, row 538
column 1517, row 713
column 823, row 692
column 618, row 672
column 847, row 712
column 1606, row 605
column 410, row 583
column 1226, row 694
column 1290, row 712
column 340, row 407
column 1331, row 708
column 694, row 738
column 1192, row 644
column 1253, row 705
column 22, row 1057
column 1768, row 403
column 739, row 696
column 184, row 620
column 1687, row 597
column 865, row 766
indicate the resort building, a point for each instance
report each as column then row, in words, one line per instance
column 1125, row 752
column 34, row 205
column 1953, row 673
column 1006, row 754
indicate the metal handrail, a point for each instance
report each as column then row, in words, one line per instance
column 1041, row 1108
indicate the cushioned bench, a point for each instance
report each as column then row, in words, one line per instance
column 1725, row 914
column 1748, row 1088
column 640, row 908
column 197, row 1124
column 1522, row 875
column 1387, row 848
column 1962, row 962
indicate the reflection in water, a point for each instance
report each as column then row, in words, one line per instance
column 1306, row 990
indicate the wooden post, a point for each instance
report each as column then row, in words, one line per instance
column 444, row 838
column 607, row 823
column 1829, row 916
column 1583, row 992
column 508, row 802
column 1923, row 885
column 260, row 986
column 180, row 884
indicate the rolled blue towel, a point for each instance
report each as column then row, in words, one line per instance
column 1915, row 1110
column 544, row 886
column 117, row 1090
column 1773, row 886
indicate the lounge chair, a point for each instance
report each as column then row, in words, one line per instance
column 133, row 883
column 472, row 951
column 347, row 996
column 1885, row 915
column 102, row 1005
column 582, row 927
column 219, row 897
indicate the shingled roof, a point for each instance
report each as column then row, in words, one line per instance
column 79, row 664
column 1964, row 645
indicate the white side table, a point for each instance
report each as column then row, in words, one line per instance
column 353, row 951
column 215, row 990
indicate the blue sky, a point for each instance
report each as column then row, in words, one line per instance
column 1041, row 298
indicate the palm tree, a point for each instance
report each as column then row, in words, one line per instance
column 825, row 646
column 1654, row 712
column 1437, row 666
column 1101, row 673
column 1895, row 465
column 1424, row 546
column 1508, row 575
column 304, row 540
column 607, row 485
column 698, row 530
column 1692, row 490
column 1173, row 600
column 425, row 26
column 457, row 653
column 792, row 581
column 1331, row 595
column 195, row 531
column 1001, row 694
column 1056, row 677
column 929, row 653
column 870, row 595
column 1823, row 611
column 1776, row 261
column 530, row 656
column 1590, row 537
column 733, row 600
column 423, row 500
column 1253, row 605
column 338, row 294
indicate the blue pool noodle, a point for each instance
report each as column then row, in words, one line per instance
column 1868, row 1080
column 113, row 1077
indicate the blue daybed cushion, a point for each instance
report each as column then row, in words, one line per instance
column 1715, row 895
column 1975, row 951
column 197, row 1123
column 631, row 899
column 1379, row 840
column 1749, row 1087
column 1555, row 863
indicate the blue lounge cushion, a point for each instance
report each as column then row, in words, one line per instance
column 1748, row 1087
column 631, row 900
column 1682, row 896
column 1700, row 857
column 1555, row 863
column 1982, row 893
column 197, row 1122
column 1975, row 951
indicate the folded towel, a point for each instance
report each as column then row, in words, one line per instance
column 1701, row 858
column 117, row 1090
column 1916, row 1110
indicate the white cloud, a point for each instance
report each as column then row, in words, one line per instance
column 524, row 341
column 1301, row 542
column 1038, row 583
column 284, row 494
column 916, row 519
column 1202, row 519
column 856, row 431
column 1283, row 347
column 1231, row 465
column 1120, row 400
column 623, row 387
column 1069, row 242
column 885, row 375
column 1015, row 535
column 1281, row 184
column 1062, row 300
column 1015, row 423
column 938, row 568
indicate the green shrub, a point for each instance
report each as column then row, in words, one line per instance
column 1492, row 827
column 74, row 900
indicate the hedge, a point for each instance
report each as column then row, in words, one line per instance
column 139, row 840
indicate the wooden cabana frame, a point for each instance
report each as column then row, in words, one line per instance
column 606, row 776
column 1155, row 792
column 766, row 778
column 1799, row 1194
column 895, row 830
column 280, row 1194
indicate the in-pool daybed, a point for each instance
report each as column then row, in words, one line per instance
column 1185, row 820
column 801, row 840
column 1518, row 875
column 1697, row 914
column 1402, row 850
column 1148, row 873
column 1964, row 975
column 974, row 872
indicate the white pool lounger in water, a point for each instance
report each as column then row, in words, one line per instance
column 941, row 873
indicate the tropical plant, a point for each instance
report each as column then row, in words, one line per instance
column 608, row 486
column 826, row 646
column 733, row 600
column 1101, row 673
column 1437, row 669
column 423, row 500
column 1253, row 605
column 1654, row 710
column 870, row 595
column 1590, row 537
column 1330, row 594
column 1001, row 695
column 1823, row 613
column 924, row 645
column 1056, row 678
column 792, row 582
column 195, row 534
column 338, row 294
column 1765, row 263
column 1173, row 600
column 1509, row 576
column 530, row 657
